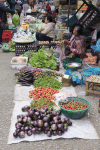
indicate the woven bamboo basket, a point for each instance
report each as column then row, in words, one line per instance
column 66, row 82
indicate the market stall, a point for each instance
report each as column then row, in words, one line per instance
column 46, row 103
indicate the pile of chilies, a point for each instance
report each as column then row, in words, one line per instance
column 43, row 92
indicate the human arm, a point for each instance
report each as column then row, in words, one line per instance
column 49, row 27
column 42, row 29
column 13, row 2
column 4, row 8
column 80, row 46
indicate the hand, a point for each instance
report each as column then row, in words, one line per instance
column 71, row 55
column 42, row 29
column 63, row 41
column 15, row 12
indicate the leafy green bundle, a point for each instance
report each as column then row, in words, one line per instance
column 42, row 60
column 48, row 82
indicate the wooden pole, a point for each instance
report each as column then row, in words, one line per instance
column 68, row 14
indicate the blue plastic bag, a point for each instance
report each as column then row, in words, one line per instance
column 97, row 47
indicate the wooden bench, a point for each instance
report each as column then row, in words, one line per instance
column 93, row 80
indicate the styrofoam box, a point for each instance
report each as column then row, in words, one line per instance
column 19, row 65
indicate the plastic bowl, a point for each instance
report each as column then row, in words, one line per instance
column 75, row 114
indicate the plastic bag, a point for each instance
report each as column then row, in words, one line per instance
column 94, row 36
column 9, row 19
column 5, row 47
column 16, row 20
column 18, row 8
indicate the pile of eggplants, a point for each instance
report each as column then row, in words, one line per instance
column 26, row 75
column 37, row 121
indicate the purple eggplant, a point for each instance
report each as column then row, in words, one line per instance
column 22, row 129
column 22, row 134
column 49, row 133
column 46, row 124
column 33, row 130
column 35, row 123
column 45, row 119
column 47, row 128
column 59, row 133
column 15, row 134
column 55, row 133
column 40, row 123
column 29, row 132
column 54, row 127
column 60, row 126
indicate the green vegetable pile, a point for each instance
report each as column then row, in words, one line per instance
column 42, row 103
column 16, row 20
column 42, row 60
column 12, row 45
column 28, row 54
column 47, row 74
column 5, row 47
column 48, row 82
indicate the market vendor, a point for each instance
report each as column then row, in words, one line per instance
column 76, row 47
column 3, row 17
column 47, row 32
column 12, row 3
column 48, row 7
column 25, row 6
column 43, row 16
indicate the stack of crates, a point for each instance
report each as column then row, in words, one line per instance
column 7, row 36
column 21, row 48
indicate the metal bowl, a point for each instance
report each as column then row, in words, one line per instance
column 73, row 65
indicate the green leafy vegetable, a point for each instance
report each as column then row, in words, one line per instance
column 42, row 103
column 48, row 82
column 42, row 60
column 28, row 54
column 47, row 74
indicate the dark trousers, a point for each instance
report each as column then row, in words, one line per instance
column 19, row 13
column 43, row 37
column 1, row 31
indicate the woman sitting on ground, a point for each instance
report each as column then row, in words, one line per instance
column 48, row 31
column 76, row 47
column 44, row 16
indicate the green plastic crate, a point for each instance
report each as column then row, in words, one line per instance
column 69, row 60
column 75, row 114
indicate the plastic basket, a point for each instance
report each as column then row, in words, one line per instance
column 69, row 60
column 75, row 114
column 13, row 28
column 21, row 48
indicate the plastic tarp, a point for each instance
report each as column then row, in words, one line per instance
column 81, row 128
column 22, row 92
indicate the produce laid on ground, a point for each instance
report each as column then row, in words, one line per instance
column 42, row 60
column 12, row 45
column 43, row 97
column 41, row 120
column 28, row 54
column 19, row 60
column 48, row 82
column 47, row 74
column 43, row 92
column 43, row 102
column 5, row 47
column 25, row 75
column 73, row 105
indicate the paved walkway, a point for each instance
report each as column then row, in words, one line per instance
column 7, row 83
